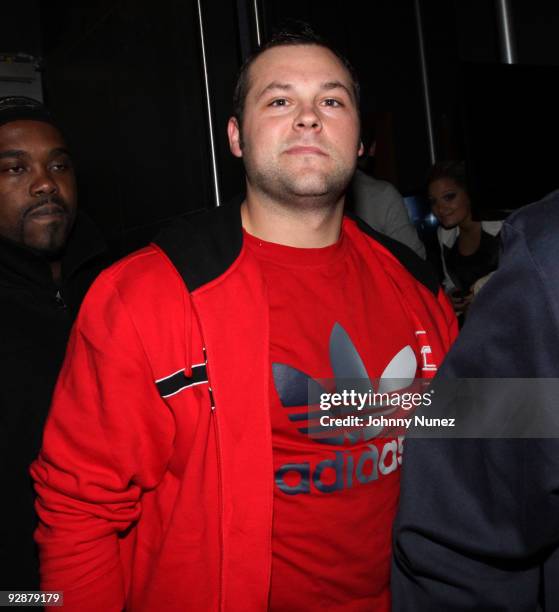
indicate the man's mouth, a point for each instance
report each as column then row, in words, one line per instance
column 47, row 211
column 305, row 150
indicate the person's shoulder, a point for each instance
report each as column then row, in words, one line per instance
column 202, row 246
column 142, row 270
column 362, row 180
column 535, row 227
column 387, row 189
column 537, row 220
column 398, row 252
column 193, row 249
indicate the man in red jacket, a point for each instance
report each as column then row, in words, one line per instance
column 181, row 467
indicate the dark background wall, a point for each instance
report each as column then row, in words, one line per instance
column 20, row 28
column 125, row 78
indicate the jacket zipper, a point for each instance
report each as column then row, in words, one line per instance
column 219, row 480
column 60, row 303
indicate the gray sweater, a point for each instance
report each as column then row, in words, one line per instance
column 380, row 205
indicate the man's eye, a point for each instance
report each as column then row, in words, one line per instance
column 332, row 102
column 60, row 166
column 448, row 197
column 14, row 169
column 279, row 102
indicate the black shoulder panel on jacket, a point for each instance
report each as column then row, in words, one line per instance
column 420, row 269
column 203, row 245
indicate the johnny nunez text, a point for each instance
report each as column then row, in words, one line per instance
column 357, row 421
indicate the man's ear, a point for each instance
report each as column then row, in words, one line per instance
column 234, row 135
column 361, row 149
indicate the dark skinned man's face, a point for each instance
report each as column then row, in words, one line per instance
column 37, row 186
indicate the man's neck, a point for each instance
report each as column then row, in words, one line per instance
column 56, row 269
column 309, row 228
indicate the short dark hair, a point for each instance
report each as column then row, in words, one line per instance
column 455, row 170
column 290, row 34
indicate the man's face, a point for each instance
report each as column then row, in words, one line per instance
column 300, row 131
column 37, row 186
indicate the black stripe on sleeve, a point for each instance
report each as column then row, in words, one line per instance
column 177, row 382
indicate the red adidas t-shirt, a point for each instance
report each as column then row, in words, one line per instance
column 331, row 313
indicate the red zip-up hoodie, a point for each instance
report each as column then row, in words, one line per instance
column 155, row 478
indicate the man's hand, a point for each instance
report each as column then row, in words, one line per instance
column 461, row 300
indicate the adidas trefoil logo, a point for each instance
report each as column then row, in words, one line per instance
column 295, row 388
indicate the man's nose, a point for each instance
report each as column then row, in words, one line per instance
column 308, row 117
column 43, row 183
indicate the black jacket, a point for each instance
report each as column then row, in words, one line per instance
column 478, row 523
column 35, row 320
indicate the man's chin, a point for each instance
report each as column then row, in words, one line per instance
column 318, row 188
column 50, row 242
column 312, row 192
column 310, row 189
